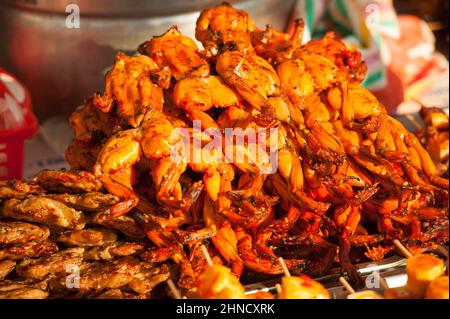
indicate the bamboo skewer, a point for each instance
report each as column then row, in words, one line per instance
column 174, row 289
column 413, row 121
column 405, row 252
column 278, row 288
column 207, row 256
column 443, row 251
column 284, row 267
column 346, row 285
column 286, row 273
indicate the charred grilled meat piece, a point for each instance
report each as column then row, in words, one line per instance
column 6, row 267
column 43, row 210
column 18, row 189
column 92, row 201
column 54, row 264
column 31, row 249
column 72, row 181
column 113, row 250
column 88, row 237
column 98, row 276
column 117, row 294
column 21, row 290
column 20, row 233
column 125, row 224
column 148, row 278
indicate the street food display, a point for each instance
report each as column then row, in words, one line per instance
column 347, row 180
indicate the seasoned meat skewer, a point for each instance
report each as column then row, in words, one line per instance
column 88, row 237
column 125, row 224
column 92, row 201
column 18, row 189
column 68, row 181
column 21, row 290
column 148, row 278
column 98, row 276
column 54, row 264
column 20, row 233
column 6, row 267
column 43, row 210
column 30, row 249
column 112, row 250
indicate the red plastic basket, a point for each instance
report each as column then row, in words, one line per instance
column 15, row 103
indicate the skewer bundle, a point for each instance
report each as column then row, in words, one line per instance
column 348, row 177
column 346, row 181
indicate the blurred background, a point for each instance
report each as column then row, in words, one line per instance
column 60, row 50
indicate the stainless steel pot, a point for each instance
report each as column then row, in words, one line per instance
column 63, row 66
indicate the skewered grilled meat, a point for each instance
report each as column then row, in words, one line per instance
column 348, row 178
column 91, row 202
column 118, row 294
column 20, row 233
column 126, row 271
column 98, row 254
column 6, row 267
column 125, row 224
column 98, row 276
column 148, row 278
column 43, row 210
column 54, row 264
column 67, row 181
column 87, row 237
column 31, row 249
column 18, row 189
column 343, row 162
column 112, row 250
column 17, row 290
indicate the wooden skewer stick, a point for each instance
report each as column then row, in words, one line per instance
column 405, row 252
column 413, row 121
column 278, row 288
column 285, row 268
column 207, row 256
column 443, row 251
column 346, row 285
column 174, row 289
column 286, row 273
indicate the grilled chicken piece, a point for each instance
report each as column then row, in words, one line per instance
column 31, row 249
column 43, row 210
column 68, row 181
column 117, row 294
column 125, row 223
column 88, row 237
column 21, row 290
column 98, row 276
column 92, row 202
column 113, row 250
column 148, row 278
column 24, row 289
column 54, row 264
column 18, row 189
column 19, row 233
column 6, row 267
